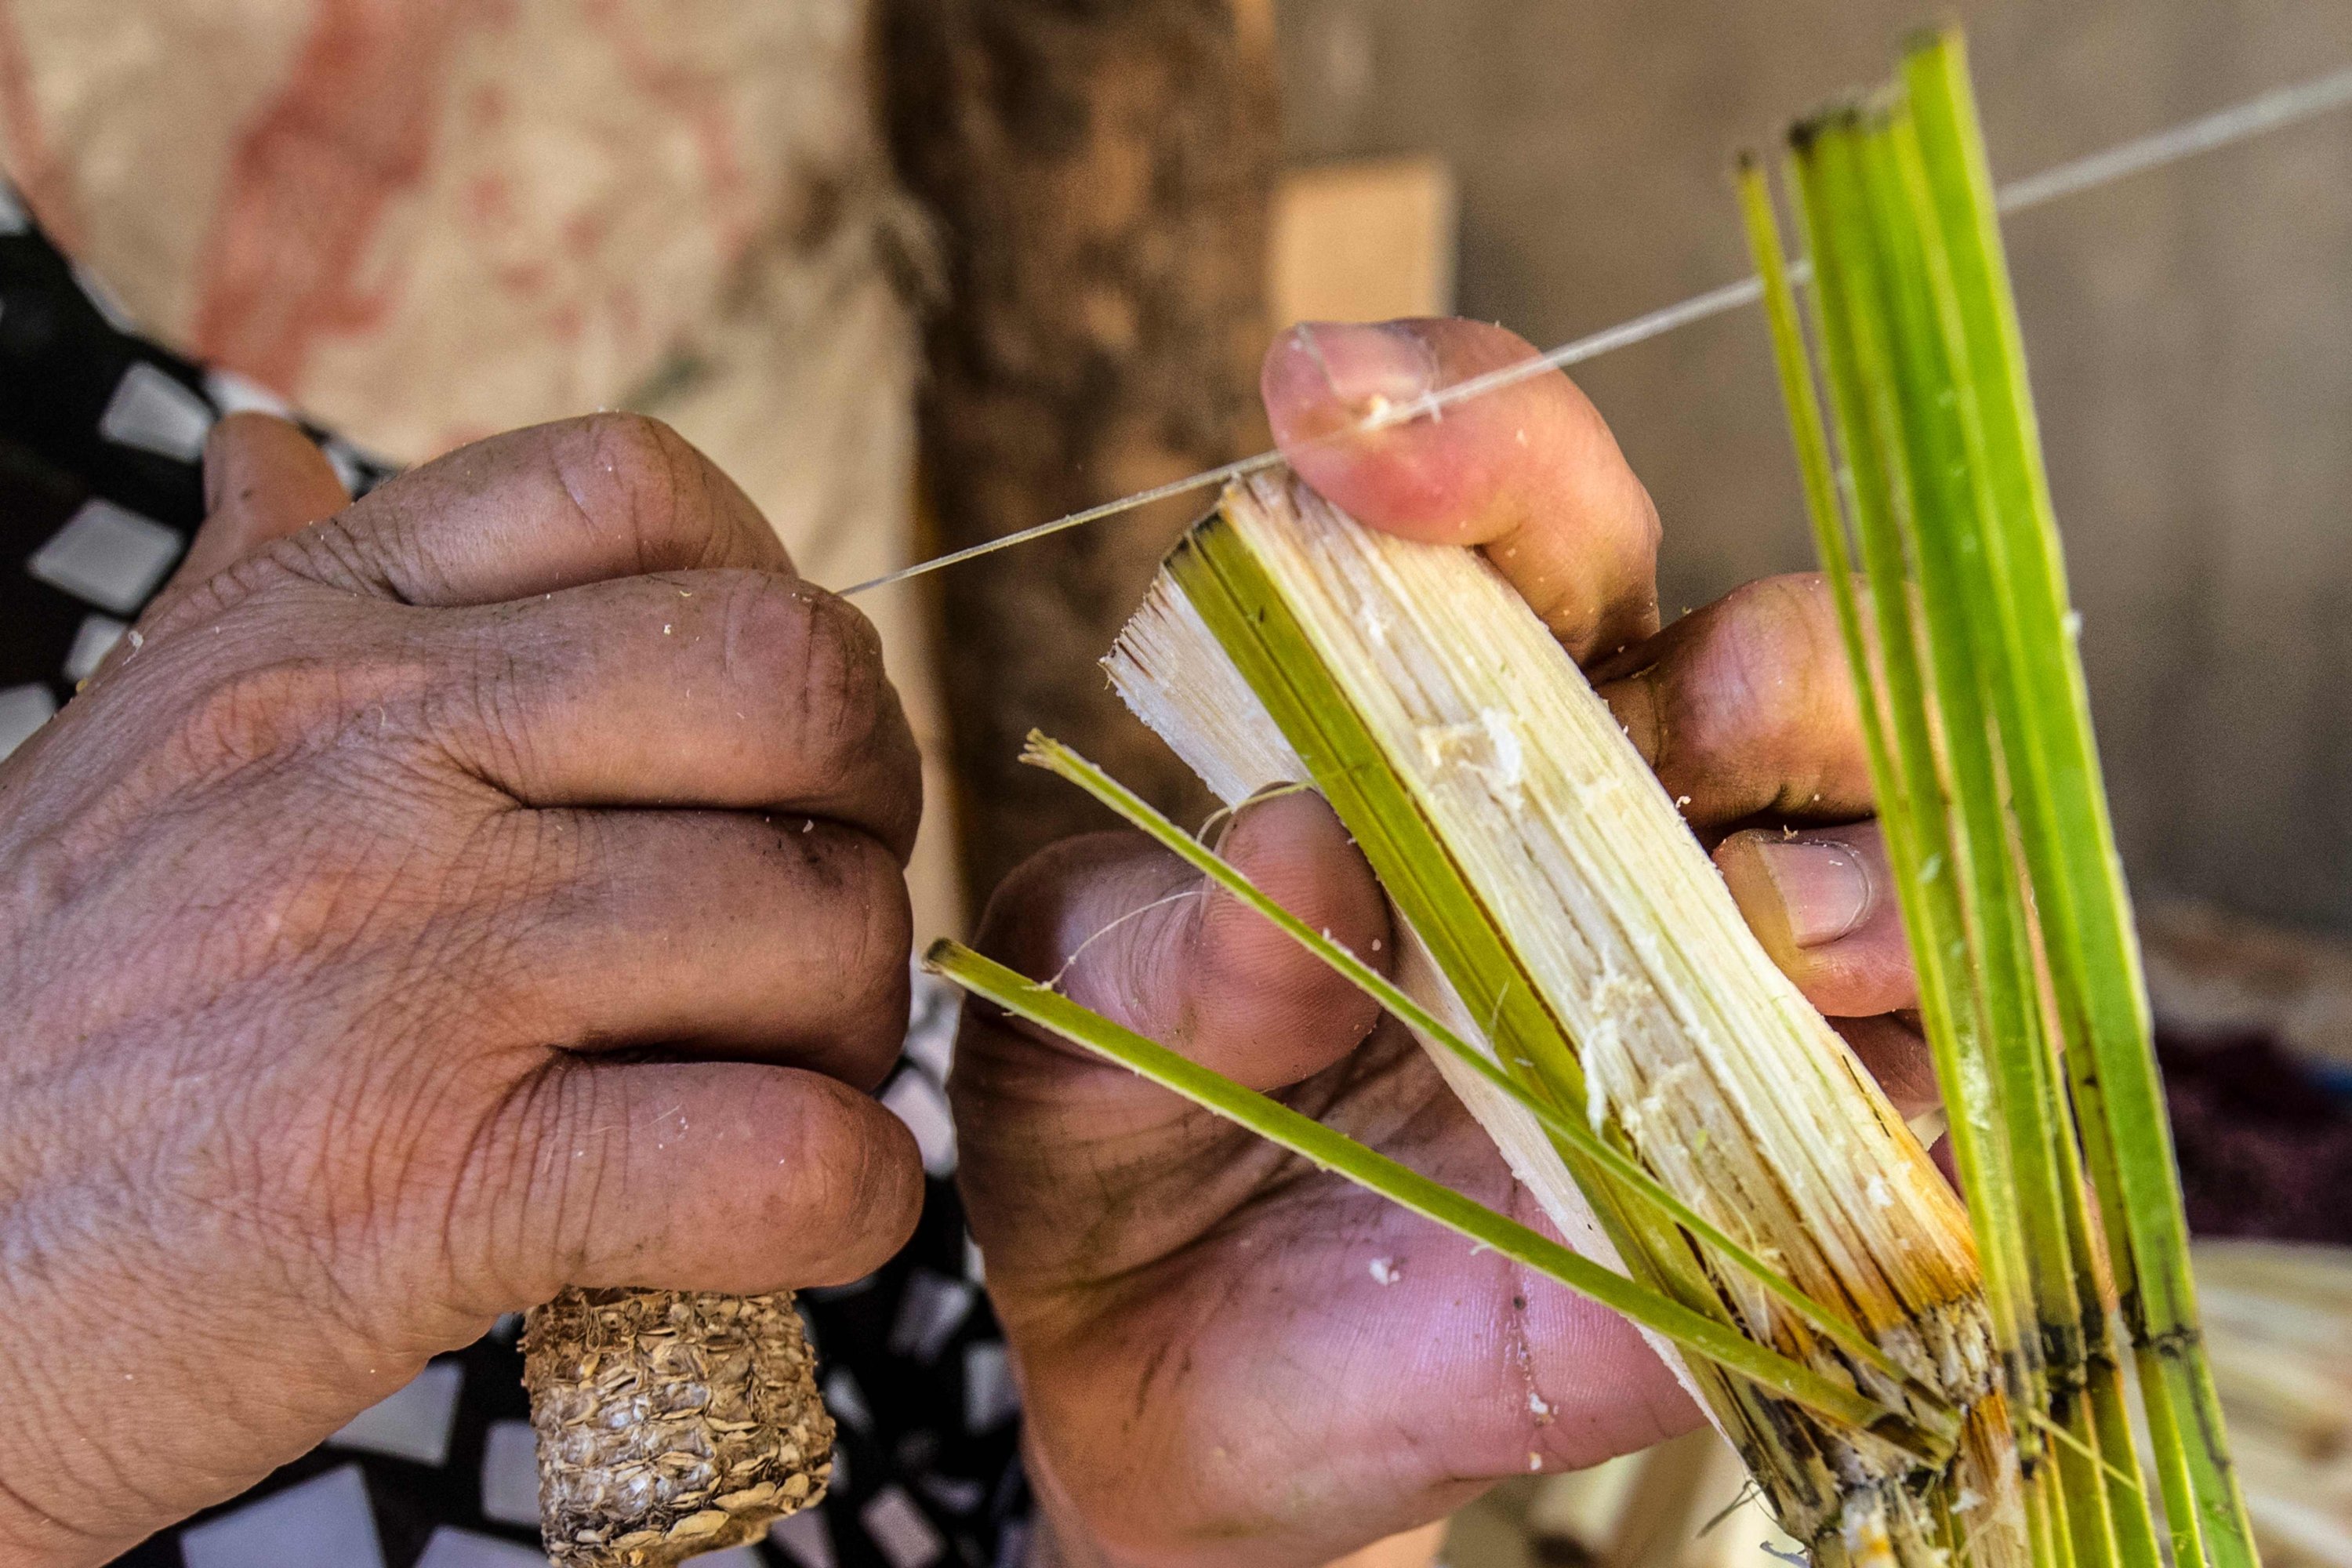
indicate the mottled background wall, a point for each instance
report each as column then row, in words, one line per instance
column 2191, row 332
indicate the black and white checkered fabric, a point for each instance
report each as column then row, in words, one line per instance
column 100, row 437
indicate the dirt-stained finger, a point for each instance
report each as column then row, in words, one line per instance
column 264, row 479
column 687, row 1176
column 541, row 510
column 736, row 689
column 718, row 934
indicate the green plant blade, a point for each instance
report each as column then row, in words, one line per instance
column 1944, row 537
column 2070, row 841
column 1913, row 811
column 1065, row 763
column 1956, row 556
column 1976, row 724
column 1335, row 1152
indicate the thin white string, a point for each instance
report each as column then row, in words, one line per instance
column 1079, row 952
column 2272, row 110
column 2279, row 107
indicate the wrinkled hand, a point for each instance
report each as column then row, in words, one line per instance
column 493, row 886
column 1227, row 1357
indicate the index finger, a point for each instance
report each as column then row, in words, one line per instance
column 1528, row 472
column 264, row 479
column 539, row 510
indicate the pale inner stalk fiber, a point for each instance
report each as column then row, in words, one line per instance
column 1734, row 1092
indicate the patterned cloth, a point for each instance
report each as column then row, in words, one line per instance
column 101, row 436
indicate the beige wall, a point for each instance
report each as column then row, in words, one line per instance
column 2191, row 333
column 423, row 222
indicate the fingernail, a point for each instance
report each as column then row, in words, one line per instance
column 1823, row 887
column 1369, row 367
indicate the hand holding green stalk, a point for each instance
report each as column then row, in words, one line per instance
column 950, row 959
column 1038, row 1004
column 1229, row 1358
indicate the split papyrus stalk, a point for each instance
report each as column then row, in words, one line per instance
column 1563, row 917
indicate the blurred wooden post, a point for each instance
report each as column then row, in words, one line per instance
column 1098, row 174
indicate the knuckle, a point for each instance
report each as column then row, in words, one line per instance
column 255, row 576
column 822, row 662
column 764, row 626
column 1767, row 605
column 858, row 1177
column 1791, row 654
column 632, row 472
column 250, row 715
column 875, row 927
column 829, row 1143
column 885, row 945
column 521, row 1215
column 842, row 682
column 636, row 447
column 345, row 552
column 805, row 670
column 1752, row 669
column 1789, row 607
column 779, row 647
column 1758, row 712
column 855, row 924
column 515, row 877
column 490, row 715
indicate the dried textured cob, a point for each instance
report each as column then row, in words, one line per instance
column 1566, row 916
column 670, row 1424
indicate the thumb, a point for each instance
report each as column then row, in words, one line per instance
column 1074, row 1169
column 263, row 480
column 1129, row 931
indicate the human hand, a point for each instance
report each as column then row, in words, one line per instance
column 1227, row 1357
column 492, row 888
